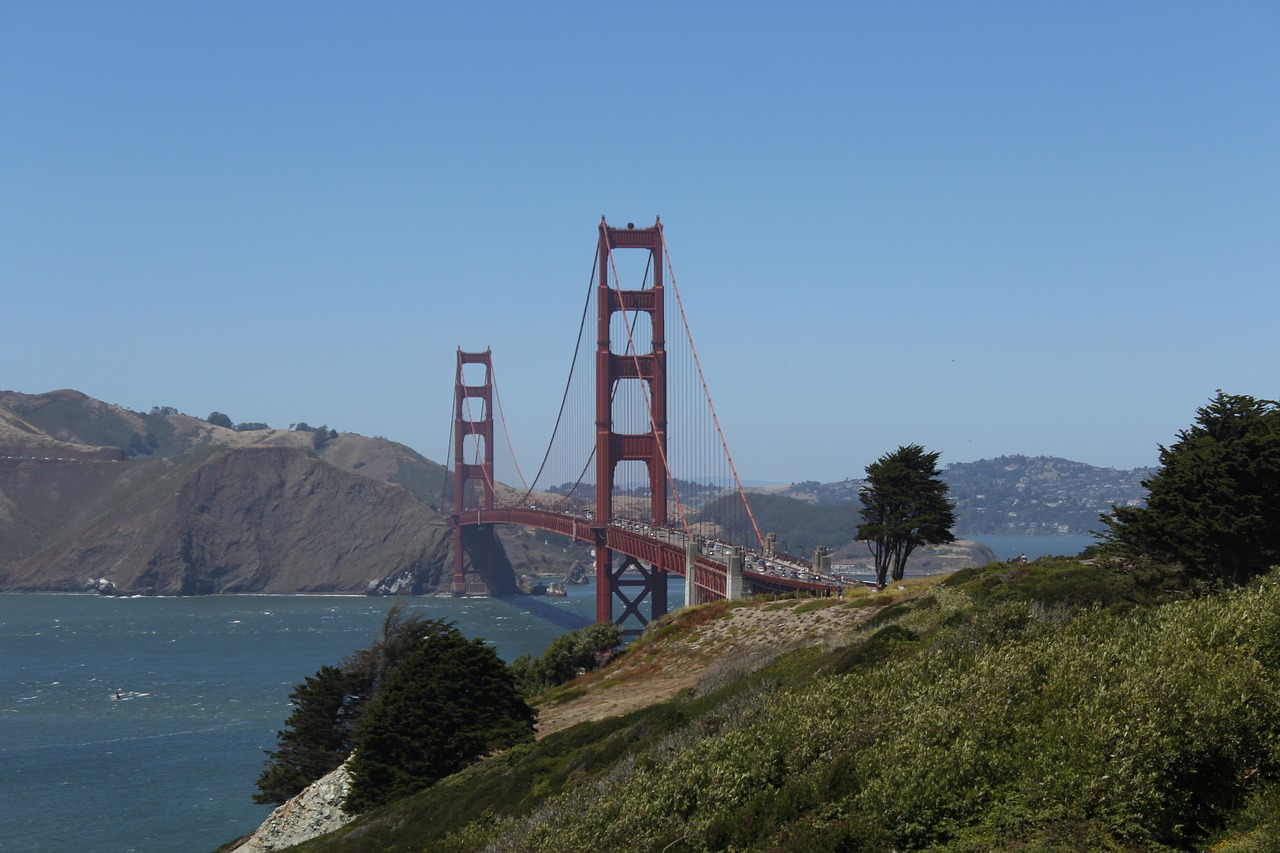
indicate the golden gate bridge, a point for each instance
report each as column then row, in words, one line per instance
column 637, row 466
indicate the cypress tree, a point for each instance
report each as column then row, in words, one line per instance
column 448, row 704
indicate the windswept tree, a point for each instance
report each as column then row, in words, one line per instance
column 450, row 703
column 318, row 734
column 1214, row 504
column 904, row 505
column 320, row 731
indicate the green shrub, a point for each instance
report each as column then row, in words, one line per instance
column 567, row 656
column 880, row 645
column 448, row 704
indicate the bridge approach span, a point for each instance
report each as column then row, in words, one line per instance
column 710, row 577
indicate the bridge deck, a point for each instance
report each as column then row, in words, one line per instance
column 664, row 549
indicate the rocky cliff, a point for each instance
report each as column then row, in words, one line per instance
column 266, row 520
column 315, row 811
column 96, row 497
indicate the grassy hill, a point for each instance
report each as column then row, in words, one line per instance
column 1055, row 706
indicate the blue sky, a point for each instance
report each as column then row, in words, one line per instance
column 985, row 227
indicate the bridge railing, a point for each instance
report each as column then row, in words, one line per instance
column 667, row 553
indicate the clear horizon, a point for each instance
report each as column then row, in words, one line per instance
column 988, row 228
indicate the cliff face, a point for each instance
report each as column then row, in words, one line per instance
column 267, row 520
column 198, row 509
column 315, row 811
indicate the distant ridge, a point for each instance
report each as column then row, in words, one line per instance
column 97, row 497
column 1014, row 495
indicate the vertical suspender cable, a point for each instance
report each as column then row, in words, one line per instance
column 493, row 380
column 737, row 482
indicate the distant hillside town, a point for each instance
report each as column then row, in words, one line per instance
column 1017, row 495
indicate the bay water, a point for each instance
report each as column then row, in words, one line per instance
column 140, row 724
column 1007, row 547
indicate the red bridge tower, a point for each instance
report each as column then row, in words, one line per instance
column 649, row 446
column 475, row 429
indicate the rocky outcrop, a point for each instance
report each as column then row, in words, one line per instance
column 313, row 812
column 938, row 559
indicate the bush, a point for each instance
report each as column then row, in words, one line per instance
column 566, row 657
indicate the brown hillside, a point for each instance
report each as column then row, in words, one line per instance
column 169, row 504
column 705, row 647
column 266, row 520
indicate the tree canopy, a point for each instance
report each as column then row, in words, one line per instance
column 1214, row 505
column 317, row 736
column 904, row 505
column 320, row 731
column 448, row 704
column 567, row 655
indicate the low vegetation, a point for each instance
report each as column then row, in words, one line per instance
column 567, row 656
column 1125, row 703
column 1051, row 706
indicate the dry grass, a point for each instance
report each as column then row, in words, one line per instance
column 698, row 648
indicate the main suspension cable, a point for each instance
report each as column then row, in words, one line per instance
column 577, row 349
column 493, row 380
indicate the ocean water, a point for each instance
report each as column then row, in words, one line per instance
column 1009, row 547
column 139, row 724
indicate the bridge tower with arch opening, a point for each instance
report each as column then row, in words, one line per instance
column 635, row 375
column 474, row 480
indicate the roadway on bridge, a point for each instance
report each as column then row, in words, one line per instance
column 665, row 548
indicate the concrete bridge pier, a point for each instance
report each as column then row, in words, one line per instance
column 692, row 549
column 822, row 561
column 733, row 575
